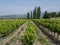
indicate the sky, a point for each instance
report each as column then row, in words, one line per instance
column 9, row 7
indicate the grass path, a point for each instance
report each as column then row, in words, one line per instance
column 37, row 42
column 41, row 36
column 19, row 36
column 7, row 39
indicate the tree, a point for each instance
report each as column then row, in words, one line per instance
column 58, row 14
column 46, row 15
column 31, row 14
column 34, row 13
column 53, row 14
column 28, row 15
column 38, row 12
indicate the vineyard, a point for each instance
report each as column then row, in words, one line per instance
column 8, row 26
column 29, row 32
column 53, row 25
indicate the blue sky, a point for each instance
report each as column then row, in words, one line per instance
column 8, row 7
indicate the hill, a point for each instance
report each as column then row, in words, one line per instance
column 14, row 16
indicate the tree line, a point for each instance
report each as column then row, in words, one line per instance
column 51, row 15
column 35, row 14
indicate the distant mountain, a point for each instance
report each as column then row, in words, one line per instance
column 17, row 16
column 14, row 16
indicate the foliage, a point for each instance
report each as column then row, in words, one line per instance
column 8, row 26
column 53, row 25
column 48, row 15
column 28, row 15
column 29, row 35
column 38, row 12
column 31, row 15
column 34, row 13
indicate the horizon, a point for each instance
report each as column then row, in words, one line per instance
column 9, row 7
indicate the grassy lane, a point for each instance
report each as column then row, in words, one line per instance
column 42, row 38
column 30, row 34
column 36, row 42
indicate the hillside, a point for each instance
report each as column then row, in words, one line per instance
column 14, row 16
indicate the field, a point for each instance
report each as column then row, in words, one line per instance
column 29, row 32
